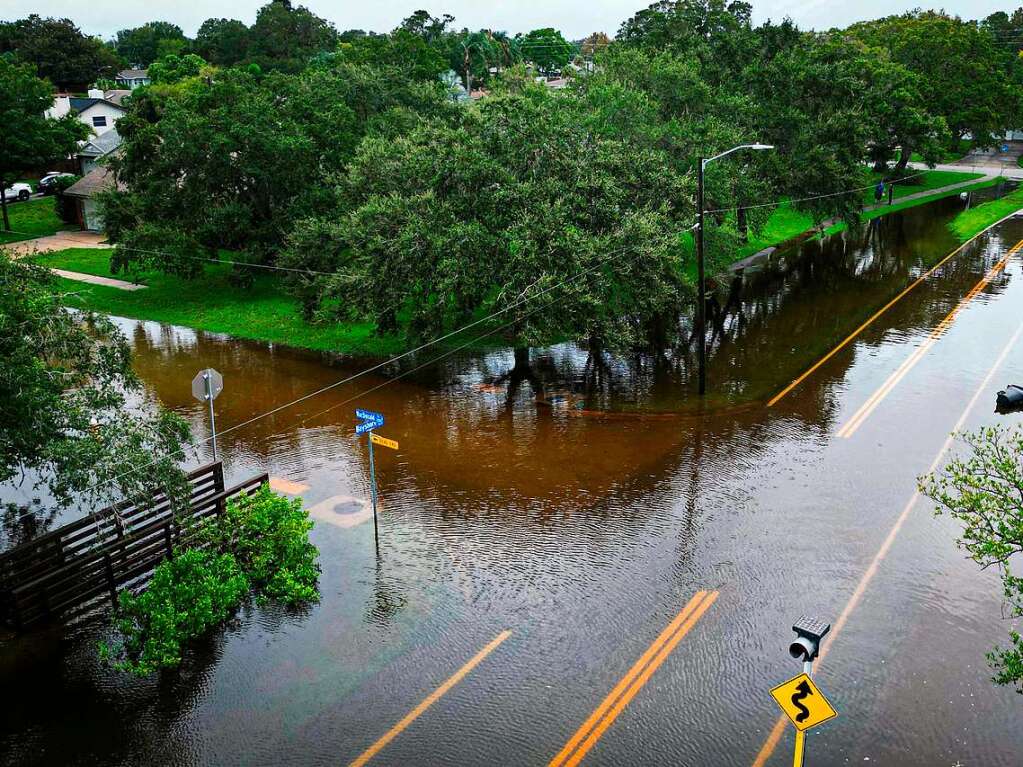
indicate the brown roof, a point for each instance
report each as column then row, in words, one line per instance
column 97, row 180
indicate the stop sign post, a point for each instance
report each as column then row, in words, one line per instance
column 206, row 386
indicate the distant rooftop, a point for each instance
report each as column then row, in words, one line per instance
column 133, row 74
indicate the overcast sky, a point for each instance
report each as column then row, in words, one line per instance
column 576, row 18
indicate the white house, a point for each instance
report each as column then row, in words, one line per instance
column 95, row 111
column 132, row 78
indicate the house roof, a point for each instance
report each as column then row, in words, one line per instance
column 133, row 74
column 80, row 105
column 99, row 180
column 100, row 145
column 117, row 96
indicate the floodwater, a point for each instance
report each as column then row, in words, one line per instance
column 579, row 502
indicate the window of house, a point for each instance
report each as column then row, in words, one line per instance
column 100, row 121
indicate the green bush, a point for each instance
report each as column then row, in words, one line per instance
column 269, row 536
column 260, row 545
column 188, row 595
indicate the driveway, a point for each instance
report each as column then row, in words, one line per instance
column 60, row 241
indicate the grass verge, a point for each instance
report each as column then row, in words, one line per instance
column 975, row 220
column 34, row 218
column 262, row 312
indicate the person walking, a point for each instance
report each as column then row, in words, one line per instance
column 879, row 192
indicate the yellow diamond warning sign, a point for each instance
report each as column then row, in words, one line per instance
column 803, row 702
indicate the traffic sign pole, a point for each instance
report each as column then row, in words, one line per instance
column 373, row 491
column 213, row 417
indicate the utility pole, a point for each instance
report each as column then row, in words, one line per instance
column 701, row 285
column 701, row 277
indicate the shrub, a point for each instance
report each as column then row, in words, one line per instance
column 269, row 536
column 260, row 545
column 188, row 595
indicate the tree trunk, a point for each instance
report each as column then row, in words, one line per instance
column 906, row 153
column 743, row 224
column 3, row 204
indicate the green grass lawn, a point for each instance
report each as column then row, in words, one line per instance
column 975, row 220
column 786, row 223
column 262, row 312
column 35, row 218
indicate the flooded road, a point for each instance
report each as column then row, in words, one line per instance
column 558, row 511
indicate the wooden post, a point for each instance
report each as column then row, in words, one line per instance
column 218, row 484
column 111, row 584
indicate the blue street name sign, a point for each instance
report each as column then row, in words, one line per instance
column 370, row 420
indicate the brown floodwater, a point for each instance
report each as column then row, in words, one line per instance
column 579, row 500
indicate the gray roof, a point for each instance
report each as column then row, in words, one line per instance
column 100, row 145
column 117, row 96
column 133, row 74
column 79, row 105
column 99, row 180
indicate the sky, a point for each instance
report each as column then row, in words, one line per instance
column 575, row 18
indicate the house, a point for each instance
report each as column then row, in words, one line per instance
column 132, row 78
column 119, row 96
column 95, row 110
column 92, row 151
column 84, row 192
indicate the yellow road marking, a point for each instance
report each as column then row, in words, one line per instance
column 619, row 697
column 852, row 336
column 893, row 380
column 432, row 698
column 771, row 743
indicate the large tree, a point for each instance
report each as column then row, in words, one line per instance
column 520, row 201
column 76, row 420
column 141, row 46
column 285, row 37
column 29, row 139
column 983, row 490
column 967, row 77
column 547, row 49
column 58, row 49
column 233, row 161
column 222, row 42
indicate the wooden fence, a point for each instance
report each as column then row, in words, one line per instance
column 74, row 568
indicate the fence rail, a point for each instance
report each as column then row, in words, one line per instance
column 70, row 570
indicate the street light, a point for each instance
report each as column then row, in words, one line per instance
column 701, row 280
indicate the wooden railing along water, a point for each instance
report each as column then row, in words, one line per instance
column 75, row 568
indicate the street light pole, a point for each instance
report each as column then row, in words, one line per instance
column 701, row 284
column 701, row 277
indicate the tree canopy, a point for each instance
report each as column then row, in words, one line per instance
column 58, row 50
column 70, row 423
column 547, row 49
column 141, row 46
column 29, row 139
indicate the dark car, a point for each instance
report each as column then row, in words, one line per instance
column 48, row 183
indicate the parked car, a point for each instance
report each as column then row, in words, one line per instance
column 47, row 184
column 19, row 191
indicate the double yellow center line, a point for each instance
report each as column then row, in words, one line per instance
column 893, row 380
column 616, row 701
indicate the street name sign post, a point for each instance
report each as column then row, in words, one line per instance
column 206, row 387
column 371, row 420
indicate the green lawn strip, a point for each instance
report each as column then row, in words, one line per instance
column 35, row 218
column 786, row 223
column 886, row 209
column 262, row 312
column 975, row 220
